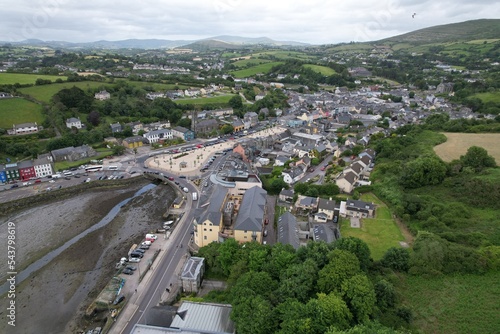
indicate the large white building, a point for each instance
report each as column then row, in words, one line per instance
column 43, row 166
column 158, row 135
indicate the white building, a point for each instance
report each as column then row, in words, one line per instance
column 158, row 135
column 24, row 128
column 43, row 166
column 102, row 95
column 73, row 122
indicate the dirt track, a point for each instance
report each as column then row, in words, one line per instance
column 54, row 298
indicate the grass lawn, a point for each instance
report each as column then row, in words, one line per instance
column 17, row 110
column 101, row 153
column 465, row 304
column 380, row 233
column 222, row 99
column 23, row 79
column 45, row 92
column 263, row 68
column 327, row 71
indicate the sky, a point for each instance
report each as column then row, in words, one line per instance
column 308, row 21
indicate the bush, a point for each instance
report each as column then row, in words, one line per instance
column 397, row 259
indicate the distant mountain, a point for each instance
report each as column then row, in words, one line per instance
column 463, row 31
column 225, row 42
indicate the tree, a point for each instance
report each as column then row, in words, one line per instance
column 396, row 259
column 298, row 281
column 118, row 150
column 236, row 102
column 341, row 266
column 356, row 246
column 477, row 158
column 424, row 171
column 228, row 254
column 184, row 122
column 385, row 293
column 94, row 118
column 277, row 185
column 359, row 295
column 329, row 309
column 251, row 316
column 227, row 128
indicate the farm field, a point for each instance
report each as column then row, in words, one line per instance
column 380, row 233
column 263, row 68
column 466, row 304
column 45, row 92
column 23, row 79
column 250, row 62
column 222, row 99
column 488, row 97
column 17, row 111
column 327, row 71
column 458, row 143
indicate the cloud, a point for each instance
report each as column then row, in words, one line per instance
column 312, row 21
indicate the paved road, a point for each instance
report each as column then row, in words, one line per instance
column 164, row 269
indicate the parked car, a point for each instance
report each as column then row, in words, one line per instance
column 14, row 186
column 52, row 181
column 118, row 299
column 142, row 251
column 170, row 178
column 128, row 272
column 38, row 181
column 131, row 268
column 134, row 259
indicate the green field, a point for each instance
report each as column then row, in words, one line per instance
column 45, row 92
column 488, row 97
column 250, row 62
column 283, row 55
column 380, row 233
column 248, row 72
column 157, row 87
column 223, row 99
column 467, row 304
column 17, row 111
column 23, row 79
column 327, row 71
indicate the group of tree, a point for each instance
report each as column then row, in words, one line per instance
column 318, row 288
column 430, row 195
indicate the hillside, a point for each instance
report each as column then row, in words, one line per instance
column 463, row 31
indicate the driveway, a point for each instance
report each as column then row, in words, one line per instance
column 355, row 222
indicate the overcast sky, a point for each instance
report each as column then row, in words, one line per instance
column 310, row 21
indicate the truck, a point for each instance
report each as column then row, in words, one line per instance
column 195, row 196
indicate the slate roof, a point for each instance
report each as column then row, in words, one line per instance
column 205, row 318
column 287, row 230
column 251, row 212
column 213, row 213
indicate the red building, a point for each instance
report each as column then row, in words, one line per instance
column 26, row 170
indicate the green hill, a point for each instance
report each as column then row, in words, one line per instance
column 463, row 31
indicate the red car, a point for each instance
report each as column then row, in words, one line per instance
column 170, row 178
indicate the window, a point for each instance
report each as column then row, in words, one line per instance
column 210, row 230
column 205, row 237
column 205, row 229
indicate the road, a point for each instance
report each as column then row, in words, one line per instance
column 164, row 269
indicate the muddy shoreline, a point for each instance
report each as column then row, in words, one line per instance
column 54, row 299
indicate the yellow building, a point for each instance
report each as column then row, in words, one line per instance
column 249, row 222
column 207, row 226
column 133, row 142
